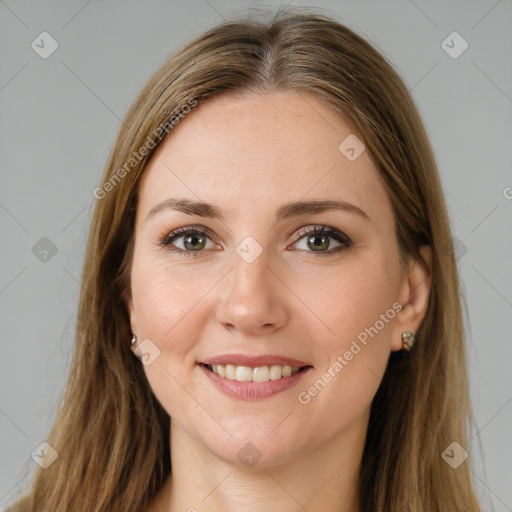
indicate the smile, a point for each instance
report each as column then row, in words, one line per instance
column 250, row 374
column 253, row 383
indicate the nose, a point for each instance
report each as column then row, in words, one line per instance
column 252, row 299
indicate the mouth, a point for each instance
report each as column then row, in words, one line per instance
column 263, row 373
column 253, row 382
column 253, row 377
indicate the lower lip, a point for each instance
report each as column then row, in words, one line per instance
column 254, row 390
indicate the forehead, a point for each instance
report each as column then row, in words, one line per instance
column 261, row 151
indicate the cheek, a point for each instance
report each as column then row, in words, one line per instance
column 351, row 297
column 359, row 314
column 164, row 302
column 356, row 358
column 164, row 297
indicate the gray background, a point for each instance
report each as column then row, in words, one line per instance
column 58, row 120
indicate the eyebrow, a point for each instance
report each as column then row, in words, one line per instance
column 286, row 211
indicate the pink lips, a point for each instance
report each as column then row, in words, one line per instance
column 254, row 361
column 254, row 390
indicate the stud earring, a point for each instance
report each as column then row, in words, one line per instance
column 408, row 339
column 134, row 340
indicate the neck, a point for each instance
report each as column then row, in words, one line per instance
column 323, row 479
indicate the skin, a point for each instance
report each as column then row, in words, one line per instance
column 248, row 156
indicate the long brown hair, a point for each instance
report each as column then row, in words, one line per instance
column 110, row 432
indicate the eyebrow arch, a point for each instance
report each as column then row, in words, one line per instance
column 286, row 211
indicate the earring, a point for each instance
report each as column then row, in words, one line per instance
column 408, row 339
column 134, row 340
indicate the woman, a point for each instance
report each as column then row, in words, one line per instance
column 270, row 300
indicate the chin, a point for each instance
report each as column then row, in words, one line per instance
column 251, row 445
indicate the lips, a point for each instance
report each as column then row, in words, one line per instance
column 254, row 361
column 253, row 383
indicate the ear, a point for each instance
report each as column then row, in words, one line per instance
column 413, row 296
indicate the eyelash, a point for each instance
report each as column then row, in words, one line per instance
column 337, row 235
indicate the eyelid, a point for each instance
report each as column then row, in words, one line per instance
column 310, row 229
column 182, row 231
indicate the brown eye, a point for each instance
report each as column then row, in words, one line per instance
column 187, row 241
column 194, row 242
column 319, row 240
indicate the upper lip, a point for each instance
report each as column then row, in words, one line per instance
column 254, row 361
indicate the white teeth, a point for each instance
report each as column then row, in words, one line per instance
column 243, row 374
column 230, row 371
column 286, row 371
column 258, row 374
column 275, row 372
column 261, row 374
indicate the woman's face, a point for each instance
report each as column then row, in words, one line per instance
column 255, row 282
